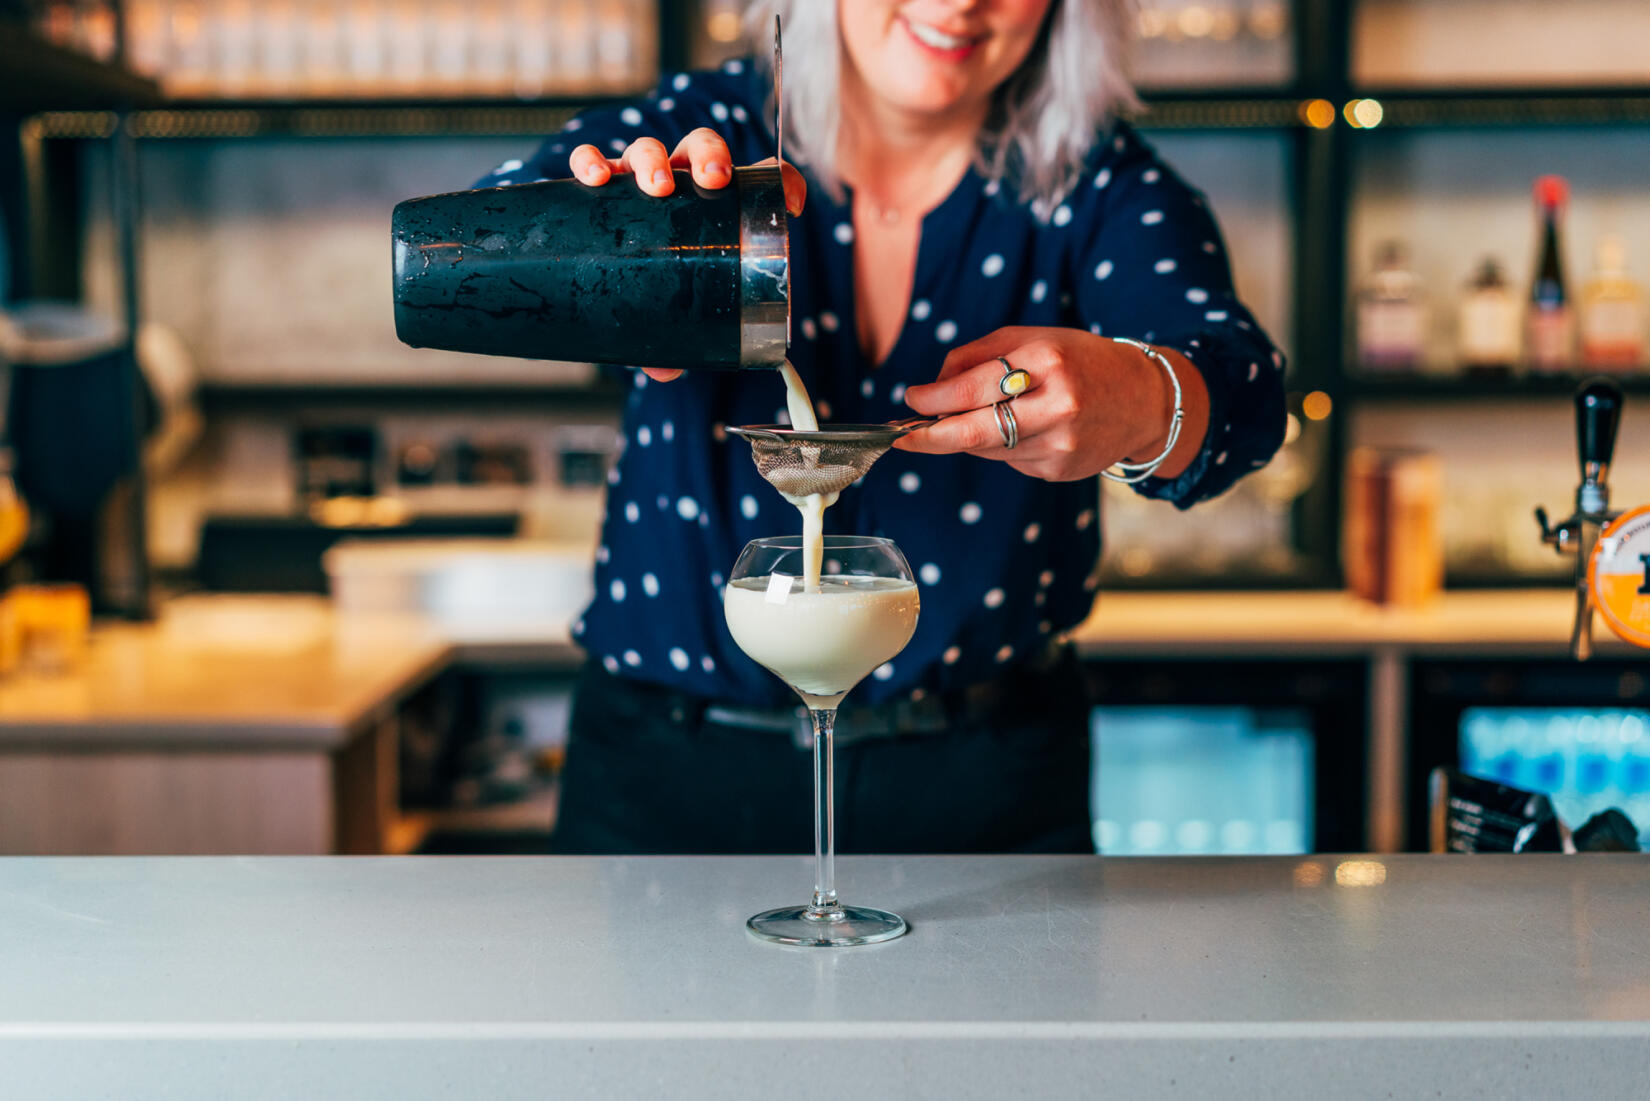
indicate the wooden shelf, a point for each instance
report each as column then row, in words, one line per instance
column 1477, row 107
column 38, row 76
column 1366, row 387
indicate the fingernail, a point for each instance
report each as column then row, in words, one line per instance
column 716, row 168
column 591, row 174
column 660, row 177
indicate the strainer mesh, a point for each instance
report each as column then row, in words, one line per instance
column 800, row 468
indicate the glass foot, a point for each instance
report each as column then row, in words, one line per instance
column 845, row 927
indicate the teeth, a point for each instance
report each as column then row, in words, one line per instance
column 935, row 38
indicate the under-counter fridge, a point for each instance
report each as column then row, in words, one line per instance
column 1578, row 732
column 1228, row 757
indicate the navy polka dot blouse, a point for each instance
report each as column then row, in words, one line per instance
column 1004, row 561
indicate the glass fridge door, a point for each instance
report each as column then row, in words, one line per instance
column 1202, row 781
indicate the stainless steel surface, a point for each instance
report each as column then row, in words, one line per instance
column 778, row 94
column 1319, row 976
column 764, row 268
column 1598, row 412
column 800, row 464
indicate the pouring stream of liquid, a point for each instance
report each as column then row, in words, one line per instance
column 812, row 507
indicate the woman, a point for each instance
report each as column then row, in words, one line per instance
column 972, row 206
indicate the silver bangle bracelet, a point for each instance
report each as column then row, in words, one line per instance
column 1130, row 473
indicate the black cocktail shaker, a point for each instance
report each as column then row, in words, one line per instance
column 561, row 270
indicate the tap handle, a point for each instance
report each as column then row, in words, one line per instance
column 1598, row 415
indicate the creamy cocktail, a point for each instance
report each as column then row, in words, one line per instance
column 821, row 643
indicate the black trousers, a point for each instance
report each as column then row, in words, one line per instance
column 647, row 773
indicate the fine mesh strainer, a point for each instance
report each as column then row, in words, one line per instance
column 799, row 464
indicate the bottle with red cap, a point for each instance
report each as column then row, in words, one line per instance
column 1549, row 346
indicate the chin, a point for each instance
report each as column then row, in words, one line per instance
column 932, row 97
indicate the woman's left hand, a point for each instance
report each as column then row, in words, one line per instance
column 1090, row 402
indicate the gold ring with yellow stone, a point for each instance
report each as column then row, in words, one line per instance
column 1015, row 380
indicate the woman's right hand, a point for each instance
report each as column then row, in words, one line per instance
column 702, row 152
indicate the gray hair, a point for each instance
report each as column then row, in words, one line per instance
column 1046, row 118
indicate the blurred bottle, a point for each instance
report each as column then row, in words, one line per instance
column 1541, row 756
column 532, row 32
column 1633, row 775
column 1391, row 314
column 1550, row 343
column 1612, row 313
column 1487, row 327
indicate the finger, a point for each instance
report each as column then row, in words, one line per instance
column 796, row 188
column 647, row 159
column 589, row 166
column 968, row 388
column 704, row 151
column 975, row 433
column 662, row 374
column 1001, row 342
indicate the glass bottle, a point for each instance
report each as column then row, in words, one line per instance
column 1550, row 322
column 1391, row 314
column 1488, row 325
column 1612, row 313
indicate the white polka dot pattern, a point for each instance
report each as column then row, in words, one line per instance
column 1002, row 555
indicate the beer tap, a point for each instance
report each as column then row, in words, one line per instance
column 1598, row 415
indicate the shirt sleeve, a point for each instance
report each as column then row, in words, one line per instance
column 680, row 104
column 1155, row 269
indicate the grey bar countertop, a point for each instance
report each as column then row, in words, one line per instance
column 1319, row 976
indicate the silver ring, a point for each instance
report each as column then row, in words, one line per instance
column 1015, row 380
column 1007, row 426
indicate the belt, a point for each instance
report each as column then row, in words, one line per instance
column 927, row 714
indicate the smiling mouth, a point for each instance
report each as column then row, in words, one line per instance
column 937, row 39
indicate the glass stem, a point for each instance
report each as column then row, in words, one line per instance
column 825, row 903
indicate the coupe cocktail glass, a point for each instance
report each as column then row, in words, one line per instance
column 822, row 644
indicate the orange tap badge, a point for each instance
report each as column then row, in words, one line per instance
column 1619, row 575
